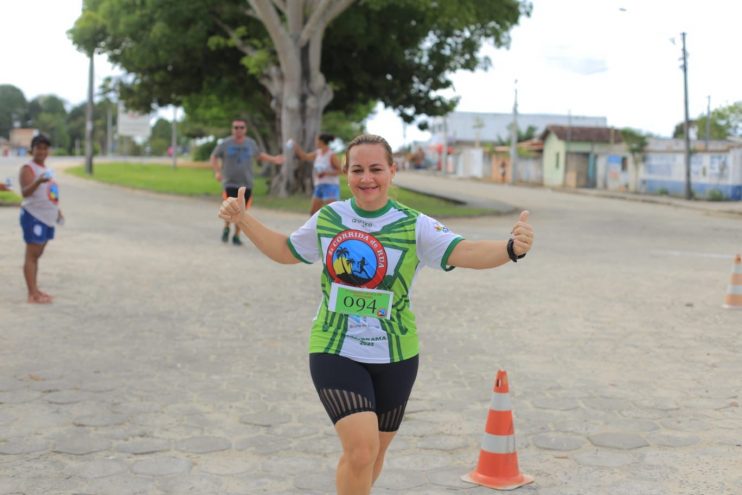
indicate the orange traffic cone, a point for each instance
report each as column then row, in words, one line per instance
column 733, row 299
column 498, row 461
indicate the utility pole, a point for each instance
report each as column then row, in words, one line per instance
column 708, row 121
column 444, row 154
column 89, row 119
column 688, row 189
column 174, row 138
column 514, row 136
column 109, row 130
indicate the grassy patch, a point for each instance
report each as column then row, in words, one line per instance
column 199, row 181
column 9, row 198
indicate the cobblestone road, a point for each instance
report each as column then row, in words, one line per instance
column 172, row 364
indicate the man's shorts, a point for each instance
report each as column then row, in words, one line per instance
column 231, row 192
column 34, row 230
column 327, row 192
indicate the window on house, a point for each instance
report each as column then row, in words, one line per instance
column 624, row 164
column 557, row 160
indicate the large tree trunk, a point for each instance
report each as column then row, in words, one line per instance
column 298, row 87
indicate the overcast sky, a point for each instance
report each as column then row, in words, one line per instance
column 618, row 59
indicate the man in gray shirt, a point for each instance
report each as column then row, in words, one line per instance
column 236, row 154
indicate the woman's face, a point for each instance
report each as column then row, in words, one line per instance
column 40, row 152
column 370, row 175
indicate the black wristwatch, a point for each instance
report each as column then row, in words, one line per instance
column 511, row 252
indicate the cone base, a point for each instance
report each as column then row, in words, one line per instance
column 498, row 483
column 730, row 306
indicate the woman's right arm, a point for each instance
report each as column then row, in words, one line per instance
column 29, row 183
column 273, row 244
column 303, row 155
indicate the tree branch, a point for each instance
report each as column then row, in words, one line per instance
column 241, row 45
column 280, row 5
column 266, row 13
column 321, row 16
column 271, row 79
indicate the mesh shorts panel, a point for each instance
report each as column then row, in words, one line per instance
column 390, row 420
column 341, row 403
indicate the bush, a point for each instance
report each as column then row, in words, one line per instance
column 663, row 191
column 715, row 195
column 202, row 152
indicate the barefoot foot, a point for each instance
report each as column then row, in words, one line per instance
column 39, row 298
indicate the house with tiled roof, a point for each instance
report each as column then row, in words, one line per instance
column 592, row 157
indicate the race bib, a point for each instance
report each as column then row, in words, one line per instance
column 360, row 302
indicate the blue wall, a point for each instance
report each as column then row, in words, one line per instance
column 677, row 188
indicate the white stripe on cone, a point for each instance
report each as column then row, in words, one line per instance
column 498, row 444
column 501, row 402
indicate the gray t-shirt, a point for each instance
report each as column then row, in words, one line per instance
column 237, row 161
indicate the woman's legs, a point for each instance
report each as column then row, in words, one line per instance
column 352, row 393
column 359, row 436
column 385, row 438
column 30, row 273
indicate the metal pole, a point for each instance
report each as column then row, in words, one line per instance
column 89, row 120
column 109, row 130
column 514, row 136
column 708, row 121
column 174, row 138
column 444, row 156
column 688, row 189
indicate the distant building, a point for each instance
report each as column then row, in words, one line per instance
column 716, row 170
column 465, row 129
column 20, row 140
column 584, row 157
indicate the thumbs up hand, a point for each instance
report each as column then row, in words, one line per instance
column 522, row 234
column 232, row 209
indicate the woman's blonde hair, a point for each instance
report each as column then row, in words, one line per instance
column 368, row 139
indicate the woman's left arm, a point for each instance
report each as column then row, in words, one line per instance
column 490, row 254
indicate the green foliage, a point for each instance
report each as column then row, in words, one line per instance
column 54, row 126
column 526, row 135
column 190, row 181
column 636, row 141
column 715, row 195
column 202, row 152
column 347, row 125
column 725, row 122
column 89, row 32
column 663, row 191
column 398, row 52
column 13, row 109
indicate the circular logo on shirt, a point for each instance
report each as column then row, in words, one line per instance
column 356, row 258
column 53, row 192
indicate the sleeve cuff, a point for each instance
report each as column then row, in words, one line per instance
column 295, row 252
column 449, row 250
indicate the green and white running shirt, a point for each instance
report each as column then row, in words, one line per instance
column 370, row 259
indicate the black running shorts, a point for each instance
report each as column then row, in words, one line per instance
column 346, row 387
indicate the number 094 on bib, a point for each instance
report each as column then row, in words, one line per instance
column 360, row 302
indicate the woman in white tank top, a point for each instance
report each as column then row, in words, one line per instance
column 325, row 171
column 39, row 214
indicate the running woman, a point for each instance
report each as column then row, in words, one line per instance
column 363, row 344
column 325, row 171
